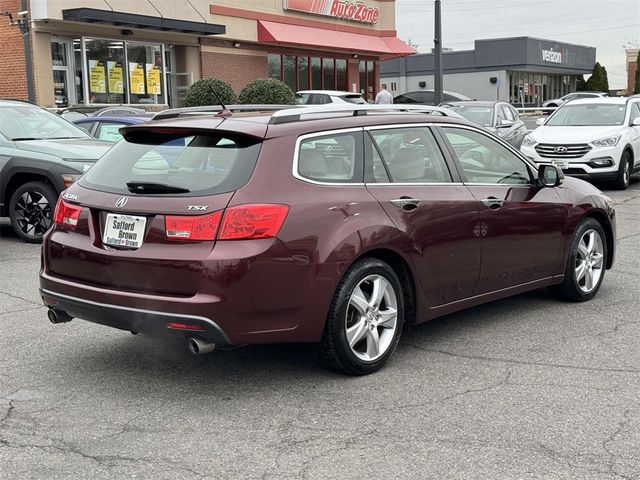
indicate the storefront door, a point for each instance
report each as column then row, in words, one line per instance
column 63, row 90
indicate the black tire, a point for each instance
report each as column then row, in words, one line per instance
column 570, row 289
column 31, row 210
column 624, row 171
column 334, row 350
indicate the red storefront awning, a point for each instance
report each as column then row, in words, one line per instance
column 294, row 35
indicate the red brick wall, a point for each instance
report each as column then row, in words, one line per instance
column 13, row 76
column 631, row 80
column 235, row 69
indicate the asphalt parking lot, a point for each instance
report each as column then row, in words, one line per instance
column 524, row 388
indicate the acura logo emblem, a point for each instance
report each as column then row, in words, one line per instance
column 560, row 149
column 122, row 201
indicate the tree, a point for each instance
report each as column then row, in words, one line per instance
column 581, row 84
column 267, row 91
column 598, row 81
column 636, row 88
column 201, row 93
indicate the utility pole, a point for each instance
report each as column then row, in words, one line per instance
column 23, row 23
column 437, row 60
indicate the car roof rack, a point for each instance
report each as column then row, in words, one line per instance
column 295, row 114
column 213, row 109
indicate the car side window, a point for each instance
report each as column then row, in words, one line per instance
column 334, row 158
column 426, row 97
column 85, row 126
column 499, row 116
column 484, row 160
column 109, row 131
column 635, row 111
column 514, row 112
column 508, row 114
column 408, row 155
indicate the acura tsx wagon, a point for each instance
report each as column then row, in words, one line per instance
column 336, row 226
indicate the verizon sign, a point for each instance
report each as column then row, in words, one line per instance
column 353, row 11
column 552, row 56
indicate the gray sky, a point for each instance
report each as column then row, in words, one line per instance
column 604, row 24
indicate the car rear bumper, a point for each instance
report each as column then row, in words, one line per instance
column 137, row 320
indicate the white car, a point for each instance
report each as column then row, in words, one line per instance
column 322, row 97
column 595, row 139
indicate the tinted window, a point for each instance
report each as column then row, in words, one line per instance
column 410, row 97
column 203, row 164
column 109, row 131
column 484, row 160
column 85, row 126
column 332, row 158
column 408, row 155
column 355, row 98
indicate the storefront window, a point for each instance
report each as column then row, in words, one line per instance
column 303, row 73
column 275, row 66
column 105, row 71
column 328, row 74
column 145, row 73
column 316, row 73
column 367, row 79
column 341, row 75
column 62, row 87
column 77, row 71
column 289, row 70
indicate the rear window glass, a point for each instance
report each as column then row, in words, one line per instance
column 202, row 164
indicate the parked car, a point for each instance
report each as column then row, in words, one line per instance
column 595, row 139
column 497, row 117
column 428, row 97
column 41, row 154
column 557, row 102
column 317, row 225
column 108, row 128
column 320, row 97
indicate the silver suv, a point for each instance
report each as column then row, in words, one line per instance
column 557, row 102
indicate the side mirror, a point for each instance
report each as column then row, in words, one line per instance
column 550, row 176
column 540, row 121
column 506, row 123
column 636, row 122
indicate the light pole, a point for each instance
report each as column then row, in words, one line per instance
column 437, row 51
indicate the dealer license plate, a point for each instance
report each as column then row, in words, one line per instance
column 560, row 163
column 124, row 230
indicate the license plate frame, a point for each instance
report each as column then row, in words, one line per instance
column 124, row 231
column 561, row 163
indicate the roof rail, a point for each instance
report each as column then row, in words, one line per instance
column 295, row 114
column 633, row 97
column 211, row 109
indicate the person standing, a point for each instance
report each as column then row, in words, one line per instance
column 384, row 96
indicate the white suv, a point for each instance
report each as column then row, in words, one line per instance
column 597, row 139
column 321, row 97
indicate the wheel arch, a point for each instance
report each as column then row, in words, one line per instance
column 20, row 178
column 602, row 219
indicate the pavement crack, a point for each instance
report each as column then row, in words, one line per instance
column 17, row 297
column 525, row 362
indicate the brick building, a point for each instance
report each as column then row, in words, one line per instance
column 632, row 66
column 148, row 53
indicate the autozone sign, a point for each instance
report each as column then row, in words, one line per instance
column 353, row 11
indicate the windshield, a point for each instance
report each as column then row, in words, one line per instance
column 588, row 115
column 181, row 164
column 29, row 122
column 480, row 115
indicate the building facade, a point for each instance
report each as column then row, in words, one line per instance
column 632, row 67
column 521, row 70
column 148, row 53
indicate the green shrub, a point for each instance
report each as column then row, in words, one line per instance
column 201, row 93
column 268, row 91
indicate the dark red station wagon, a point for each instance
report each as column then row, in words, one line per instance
column 339, row 226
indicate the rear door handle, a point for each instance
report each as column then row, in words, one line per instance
column 492, row 202
column 406, row 203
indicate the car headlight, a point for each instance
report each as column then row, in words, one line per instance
column 528, row 141
column 69, row 179
column 607, row 142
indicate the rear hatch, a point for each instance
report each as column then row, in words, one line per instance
column 145, row 217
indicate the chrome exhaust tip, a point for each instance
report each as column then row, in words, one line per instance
column 198, row 346
column 58, row 316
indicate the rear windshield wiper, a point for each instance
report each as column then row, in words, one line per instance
column 153, row 187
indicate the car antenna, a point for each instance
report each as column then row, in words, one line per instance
column 225, row 112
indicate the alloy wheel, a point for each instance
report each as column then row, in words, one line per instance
column 371, row 318
column 33, row 213
column 589, row 261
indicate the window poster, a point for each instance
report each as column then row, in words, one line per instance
column 153, row 79
column 97, row 79
column 116, row 85
column 136, row 78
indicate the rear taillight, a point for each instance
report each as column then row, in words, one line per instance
column 202, row 227
column 240, row 222
column 252, row 221
column 66, row 215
